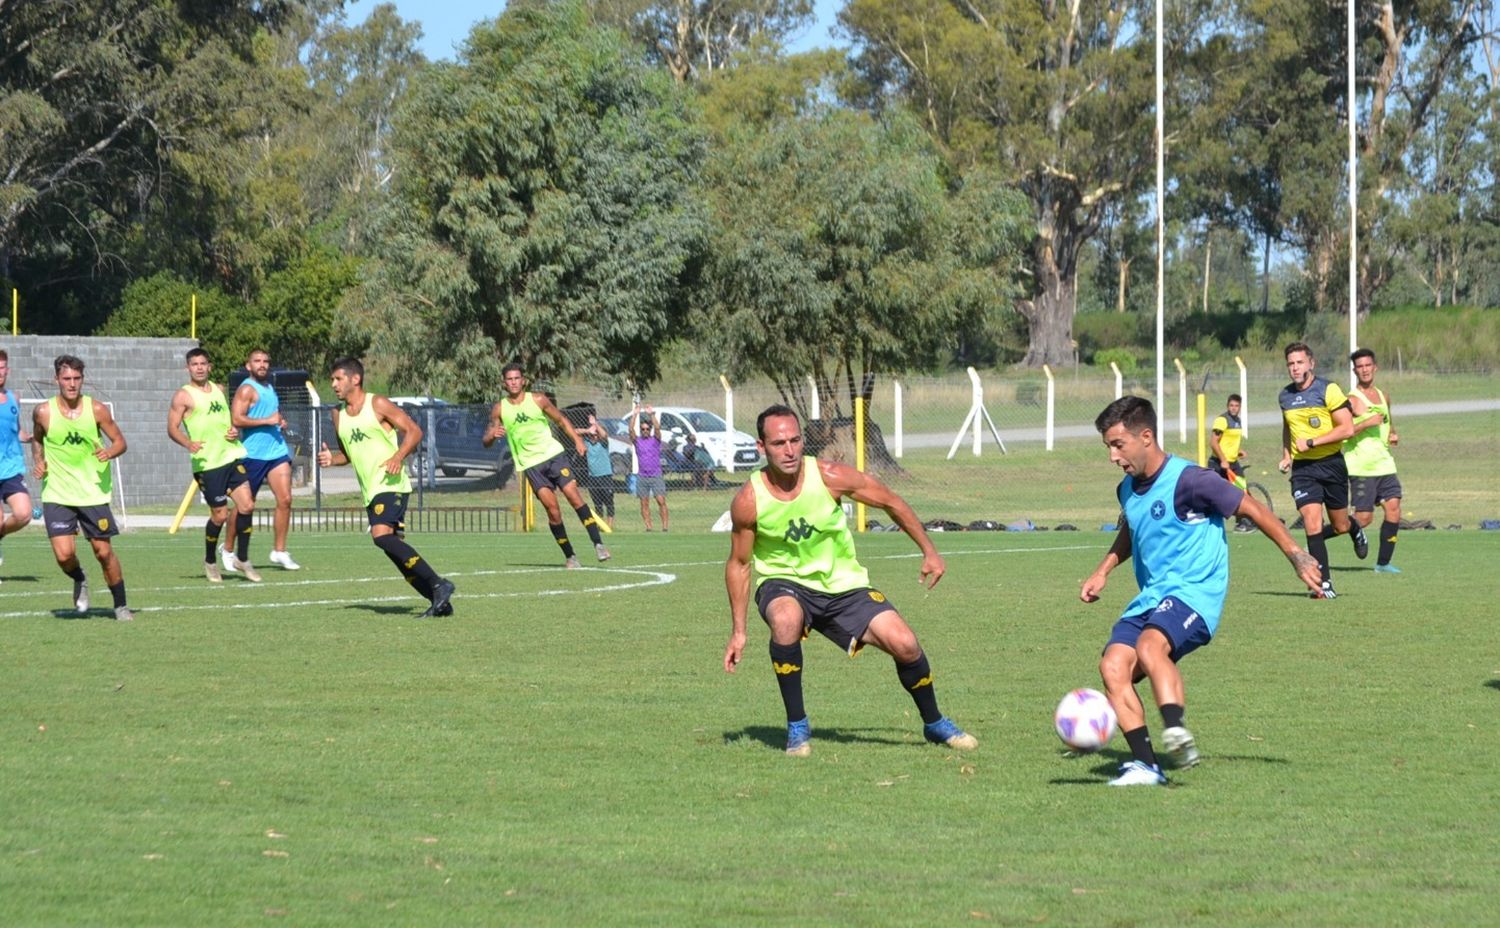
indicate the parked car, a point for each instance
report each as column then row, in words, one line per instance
column 711, row 432
column 455, row 437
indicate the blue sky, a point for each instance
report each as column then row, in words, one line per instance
column 446, row 25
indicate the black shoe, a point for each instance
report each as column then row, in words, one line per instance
column 442, row 591
column 445, row 611
column 1361, row 543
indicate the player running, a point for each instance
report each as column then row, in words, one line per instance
column 199, row 420
column 365, row 427
column 73, row 465
column 525, row 421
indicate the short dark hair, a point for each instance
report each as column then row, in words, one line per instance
column 1297, row 346
column 195, row 352
column 512, row 366
column 1134, row 412
column 350, row 366
column 1362, row 353
column 4, row 357
column 1236, row 398
column 67, row 360
column 770, row 412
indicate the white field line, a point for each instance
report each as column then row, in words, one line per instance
column 652, row 578
column 656, row 578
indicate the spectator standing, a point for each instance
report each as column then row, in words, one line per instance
column 645, row 435
column 601, row 471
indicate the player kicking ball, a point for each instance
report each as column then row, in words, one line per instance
column 1174, row 528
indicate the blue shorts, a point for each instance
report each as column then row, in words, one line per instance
column 1184, row 628
column 260, row 470
column 10, row 486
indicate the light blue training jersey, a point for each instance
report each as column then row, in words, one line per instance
column 1177, row 543
column 264, row 442
column 12, row 461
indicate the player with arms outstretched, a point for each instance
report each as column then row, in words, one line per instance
column 788, row 522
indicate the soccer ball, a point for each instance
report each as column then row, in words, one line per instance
column 1085, row 720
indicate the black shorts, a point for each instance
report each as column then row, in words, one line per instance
column 840, row 617
column 1367, row 492
column 1323, row 481
column 388, row 509
column 12, row 486
column 552, row 474
column 218, row 481
column 1216, row 465
column 602, row 495
column 96, row 521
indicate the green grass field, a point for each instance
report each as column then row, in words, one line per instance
column 566, row 750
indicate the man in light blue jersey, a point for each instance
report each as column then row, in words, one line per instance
column 1174, row 526
column 257, row 414
column 13, row 490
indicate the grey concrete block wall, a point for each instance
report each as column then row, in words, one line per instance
column 138, row 376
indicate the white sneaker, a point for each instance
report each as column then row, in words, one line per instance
column 211, row 571
column 123, row 614
column 601, row 552
column 81, row 595
column 284, row 560
column 572, row 563
column 1178, row 742
column 248, row 569
column 227, row 559
column 1136, row 773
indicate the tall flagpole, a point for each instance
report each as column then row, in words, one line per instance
column 1353, row 196
column 1161, row 227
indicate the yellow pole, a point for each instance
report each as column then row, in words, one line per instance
column 528, row 506
column 15, row 311
column 859, row 456
column 194, row 330
column 1202, row 430
column 187, row 500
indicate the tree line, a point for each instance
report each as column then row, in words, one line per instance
column 592, row 182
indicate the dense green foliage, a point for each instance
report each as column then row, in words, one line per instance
column 838, row 251
column 542, row 211
column 595, row 180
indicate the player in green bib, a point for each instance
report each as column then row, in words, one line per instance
column 525, row 421
column 73, row 465
column 1372, row 468
column 199, row 420
column 366, row 427
column 789, row 524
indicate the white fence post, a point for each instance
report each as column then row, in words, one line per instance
column 896, row 389
column 1119, row 380
column 1051, row 405
column 814, row 409
column 728, row 419
column 1181, row 400
column 1244, row 399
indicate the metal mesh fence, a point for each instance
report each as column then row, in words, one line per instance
column 932, row 430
